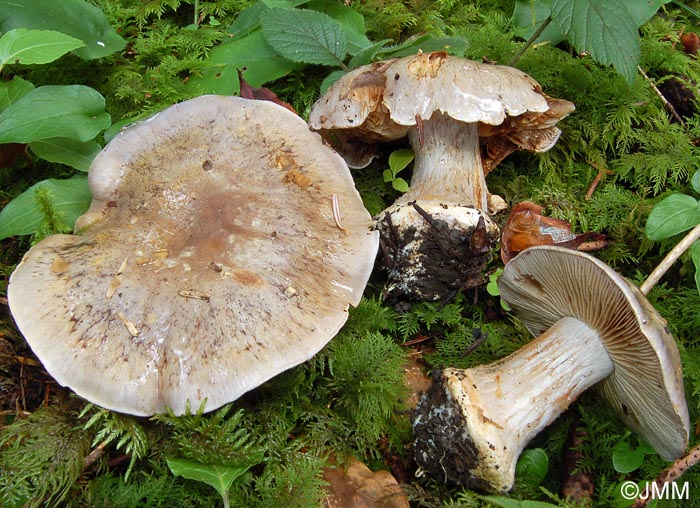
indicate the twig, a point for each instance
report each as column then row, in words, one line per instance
column 95, row 455
column 670, row 258
column 670, row 474
column 665, row 102
column 531, row 41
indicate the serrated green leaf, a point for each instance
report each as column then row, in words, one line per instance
column 251, row 52
column 22, row 46
column 695, row 181
column 368, row 54
column 219, row 477
column 305, row 36
column 399, row 159
column 672, row 215
column 602, row 28
column 72, row 111
column 12, row 90
column 76, row 18
column 76, row 154
column 353, row 22
column 24, row 216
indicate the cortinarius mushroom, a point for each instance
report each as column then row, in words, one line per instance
column 462, row 118
column 211, row 259
column 593, row 327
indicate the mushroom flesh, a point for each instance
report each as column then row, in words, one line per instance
column 593, row 327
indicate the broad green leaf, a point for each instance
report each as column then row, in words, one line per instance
column 400, row 184
column 353, row 22
column 532, row 466
column 642, row 10
column 528, row 16
column 672, row 215
column 603, row 28
column 251, row 52
column 76, row 154
column 24, row 214
column 72, row 111
column 695, row 256
column 330, row 79
column 12, row 90
column 399, row 159
column 387, row 176
column 305, row 36
column 29, row 47
column 219, row 477
column 626, row 459
column 426, row 43
column 367, row 54
column 76, row 18
column 695, row 181
column 506, row 502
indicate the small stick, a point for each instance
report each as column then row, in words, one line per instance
column 670, row 258
column 671, row 474
column 665, row 102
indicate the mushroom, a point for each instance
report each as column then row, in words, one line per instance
column 462, row 118
column 593, row 327
column 211, row 259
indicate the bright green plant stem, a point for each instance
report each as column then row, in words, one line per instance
column 670, row 258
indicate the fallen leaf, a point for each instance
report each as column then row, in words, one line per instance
column 261, row 94
column 527, row 227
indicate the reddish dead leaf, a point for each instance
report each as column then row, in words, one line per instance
column 354, row 485
column 260, row 94
column 691, row 43
column 527, row 227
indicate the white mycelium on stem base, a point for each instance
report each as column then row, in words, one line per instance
column 503, row 405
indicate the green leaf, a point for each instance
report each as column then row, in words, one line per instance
column 399, row 159
column 28, row 47
column 76, row 154
column 672, row 215
column 427, row 43
column 25, row 215
column 353, row 22
column 12, row 90
column 219, row 477
column 330, row 79
column 251, row 52
column 305, row 36
column 528, row 16
column 532, row 466
column 76, row 18
column 642, row 10
column 72, row 111
column 695, row 181
column 625, row 459
column 603, row 28
column 366, row 55
column 400, row 184
column 506, row 502
column 695, row 256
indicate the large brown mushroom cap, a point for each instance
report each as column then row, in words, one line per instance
column 546, row 283
column 209, row 261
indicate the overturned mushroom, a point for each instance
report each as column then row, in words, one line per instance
column 593, row 327
column 461, row 118
column 209, row 261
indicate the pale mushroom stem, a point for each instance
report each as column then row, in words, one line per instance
column 505, row 404
column 448, row 165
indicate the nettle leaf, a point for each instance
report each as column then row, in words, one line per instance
column 76, row 18
column 29, row 47
column 262, row 65
column 219, row 477
column 672, row 215
column 72, row 111
column 26, row 213
column 12, row 90
column 352, row 22
column 305, row 36
column 604, row 29
column 76, row 154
